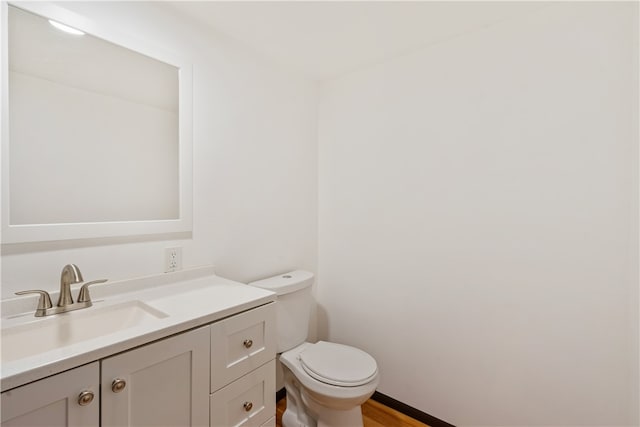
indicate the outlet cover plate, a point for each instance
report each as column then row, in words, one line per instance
column 172, row 259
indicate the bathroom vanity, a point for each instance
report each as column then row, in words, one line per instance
column 185, row 348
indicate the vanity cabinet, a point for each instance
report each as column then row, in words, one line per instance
column 221, row 374
column 66, row 399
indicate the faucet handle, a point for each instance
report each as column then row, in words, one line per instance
column 83, row 295
column 44, row 302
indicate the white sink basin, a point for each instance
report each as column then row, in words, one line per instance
column 49, row 333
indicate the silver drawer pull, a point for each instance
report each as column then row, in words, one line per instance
column 247, row 343
column 118, row 385
column 85, row 398
column 247, row 406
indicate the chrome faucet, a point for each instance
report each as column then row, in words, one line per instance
column 70, row 275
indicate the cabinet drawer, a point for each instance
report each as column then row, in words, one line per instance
column 248, row 401
column 241, row 344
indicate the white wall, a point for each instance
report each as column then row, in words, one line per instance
column 478, row 220
column 255, row 173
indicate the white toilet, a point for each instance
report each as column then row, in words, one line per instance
column 325, row 382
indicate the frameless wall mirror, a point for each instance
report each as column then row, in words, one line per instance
column 96, row 131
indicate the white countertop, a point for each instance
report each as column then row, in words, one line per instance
column 188, row 298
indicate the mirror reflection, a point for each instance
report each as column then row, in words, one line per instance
column 93, row 129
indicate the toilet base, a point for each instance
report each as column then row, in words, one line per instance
column 295, row 414
column 304, row 411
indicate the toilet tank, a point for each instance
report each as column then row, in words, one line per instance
column 293, row 307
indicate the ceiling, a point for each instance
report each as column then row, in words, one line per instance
column 325, row 39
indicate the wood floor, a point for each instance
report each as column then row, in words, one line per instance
column 375, row 414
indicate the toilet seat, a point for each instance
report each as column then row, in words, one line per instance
column 337, row 364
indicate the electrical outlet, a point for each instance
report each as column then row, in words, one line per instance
column 172, row 259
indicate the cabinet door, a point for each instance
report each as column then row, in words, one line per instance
column 165, row 383
column 242, row 343
column 66, row 399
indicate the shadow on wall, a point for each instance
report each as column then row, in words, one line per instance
column 322, row 323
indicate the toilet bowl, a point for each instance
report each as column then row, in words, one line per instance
column 326, row 383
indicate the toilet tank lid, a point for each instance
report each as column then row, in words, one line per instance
column 285, row 283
